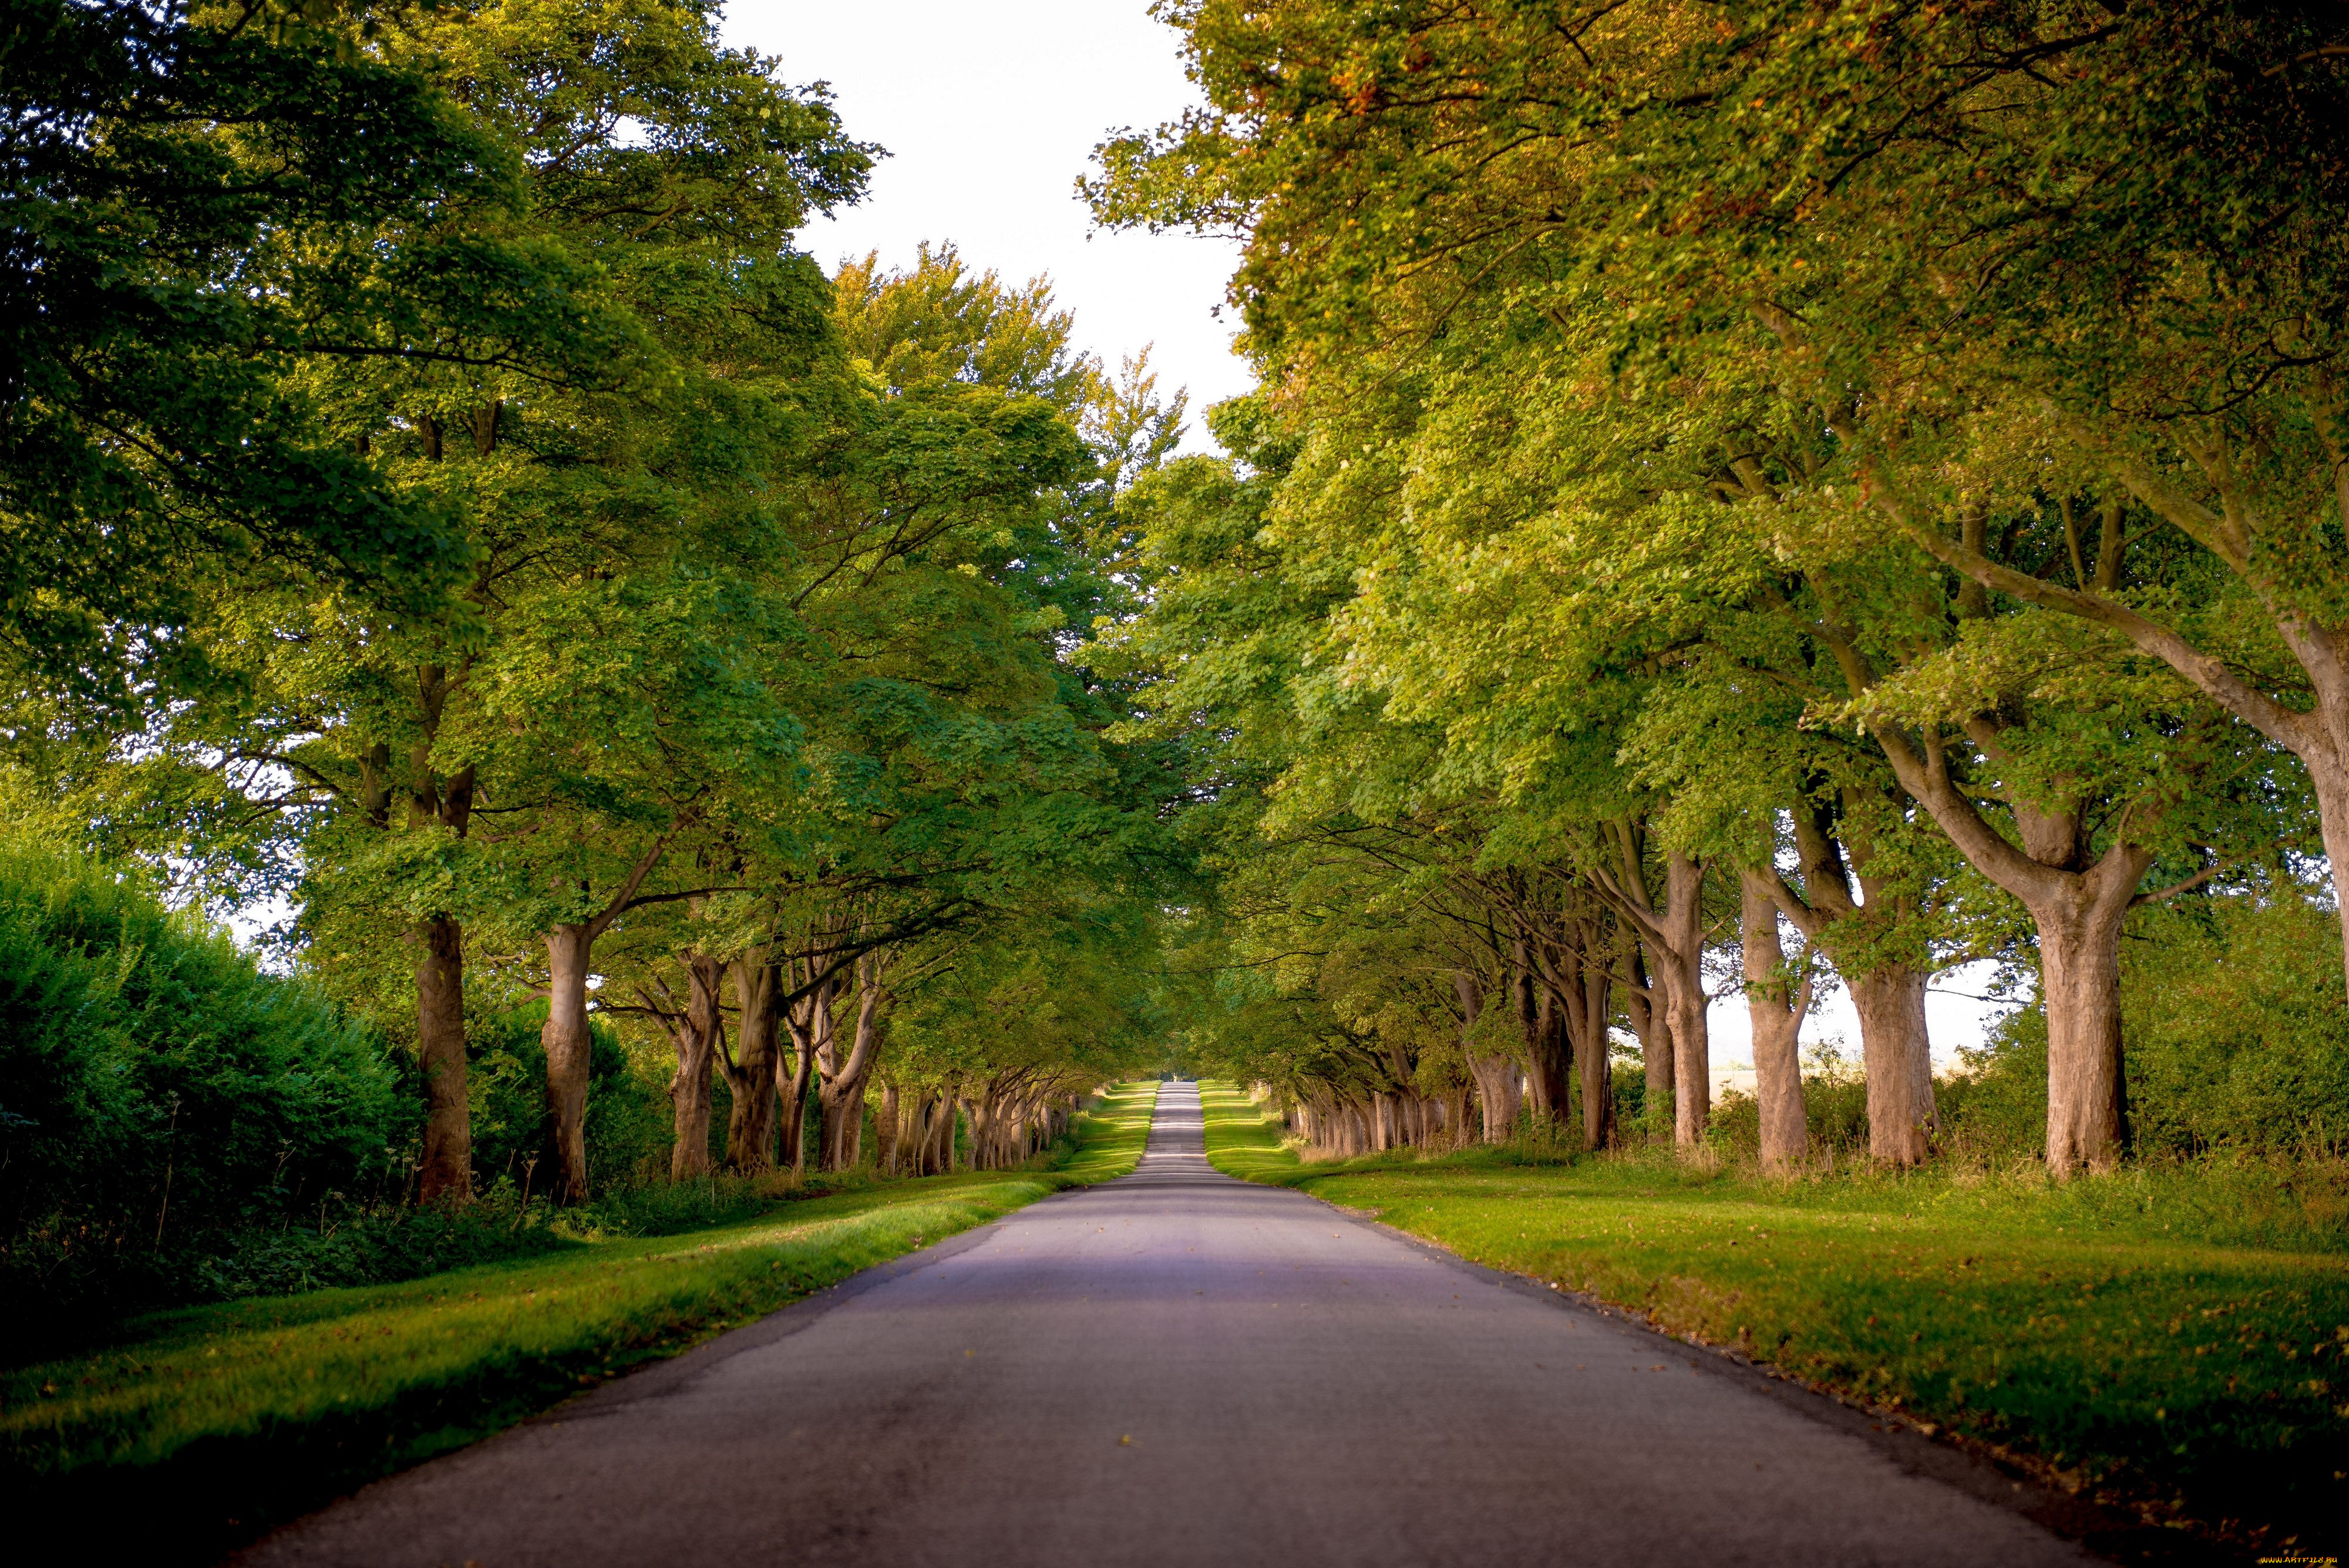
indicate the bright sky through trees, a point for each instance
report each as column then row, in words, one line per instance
column 989, row 114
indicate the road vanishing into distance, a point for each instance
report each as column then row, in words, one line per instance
column 1181, row 1368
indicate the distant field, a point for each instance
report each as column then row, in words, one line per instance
column 2172, row 1340
column 218, row 1420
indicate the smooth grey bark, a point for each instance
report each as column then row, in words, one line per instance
column 1496, row 1076
column 2078, row 901
column 1776, row 1010
column 570, row 955
column 1896, row 1052
column 1672, row 933
column 2077, row 898
column 2080, row 979
column 695, row 1027
column 843, row 1075
column 750, row 1069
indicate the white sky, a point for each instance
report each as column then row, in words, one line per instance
column 990, row 111
column 1954, row 1018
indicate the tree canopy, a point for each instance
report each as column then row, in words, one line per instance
column 1738, row 503
column 1868, row 470
column 501, row 549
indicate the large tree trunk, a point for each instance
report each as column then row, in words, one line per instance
column 2080, row 984
column 568, row 1044
column 1890, row 997
column 1776, row 1010
column 695, row 1035
column 446, row 1176
column 2078, row 901
column 570, row 952
column 1651, row 1022
column 1550, row 1052
column 1673, row 939
column 885, row 1131
column 2331, row 779
column 841, row 1092
column 1682, row 966
column 1897, row 1052
column 1598, row 1099
column 447, row 1173
column 1496, row 1076
column 751, row 1075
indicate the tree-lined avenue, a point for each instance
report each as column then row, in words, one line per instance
column 1178, row 1367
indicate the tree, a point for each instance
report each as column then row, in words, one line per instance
column 205, row 200
column 589, row 507
column 1467, row 191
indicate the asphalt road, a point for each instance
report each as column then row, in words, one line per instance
column 1178, row 1368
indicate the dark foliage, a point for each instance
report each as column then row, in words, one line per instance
column 158, row 1093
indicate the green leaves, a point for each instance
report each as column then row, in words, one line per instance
column 193, row 208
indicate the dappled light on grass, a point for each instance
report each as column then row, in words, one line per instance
column 1239, row 1142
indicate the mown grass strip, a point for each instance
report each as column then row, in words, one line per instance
column 223, row 1420
column 2193, row 1380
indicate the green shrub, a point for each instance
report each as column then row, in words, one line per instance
column 374, row 1243
column 1996, row 1108
column 2235, row 1026
column 629, row 1112
column 158, row 1094
column 1630, row 1086
column 1835, row 1100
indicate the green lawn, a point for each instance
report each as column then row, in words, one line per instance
column 2171, row 1339
column 217, row 1420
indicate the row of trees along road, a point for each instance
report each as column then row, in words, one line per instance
column 442, row 501
column 1872, row 473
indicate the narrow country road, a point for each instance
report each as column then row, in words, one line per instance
column 1179, row 1368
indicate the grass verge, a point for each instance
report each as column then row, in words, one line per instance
column 221, row 1422
column 2126, row 1337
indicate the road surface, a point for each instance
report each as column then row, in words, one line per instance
column 1178, row 1368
